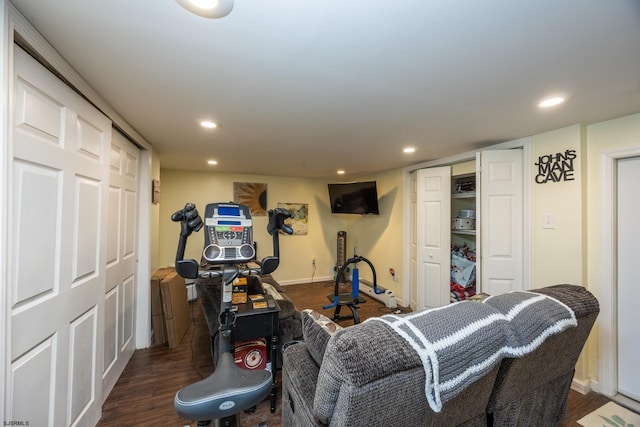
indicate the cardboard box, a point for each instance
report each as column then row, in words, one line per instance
column 157, row 312
column 159, row 329
column 239, row 294
column 156, row 296
column 260, row 304
column 176, row 307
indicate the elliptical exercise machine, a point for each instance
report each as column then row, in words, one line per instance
column 228, row 244
column 350, row 299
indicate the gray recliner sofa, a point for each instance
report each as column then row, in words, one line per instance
column 377, row 374
column 533, row 390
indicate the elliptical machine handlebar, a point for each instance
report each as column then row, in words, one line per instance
column 191, row 221
column 189, row 218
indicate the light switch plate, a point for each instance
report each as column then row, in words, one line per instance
column 549, row 221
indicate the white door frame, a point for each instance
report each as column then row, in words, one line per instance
column 525, row 145
column 143, row 273
column 607, row 276
column 6, row 154
column 5, row 72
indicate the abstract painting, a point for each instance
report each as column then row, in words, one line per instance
column 254, row 195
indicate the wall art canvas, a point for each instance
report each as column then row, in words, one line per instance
column 300, row 213
column 155, row 191
column 252, row 194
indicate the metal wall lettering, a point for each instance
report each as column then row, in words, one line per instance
column 556, row 167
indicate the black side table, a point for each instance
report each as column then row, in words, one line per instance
column 252, row 323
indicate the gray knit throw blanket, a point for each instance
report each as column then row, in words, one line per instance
column 459, row 343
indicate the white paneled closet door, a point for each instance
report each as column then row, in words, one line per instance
column 433, row 231
column 59, row 181
column 119, row 343
column 628, row 315
column 501, row 221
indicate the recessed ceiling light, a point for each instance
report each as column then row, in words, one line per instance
column 409, row 150
column 208, row 8
column 212, row 162
column 208, row 124
column 204, row 4
column 340, row 172
column 551, row 101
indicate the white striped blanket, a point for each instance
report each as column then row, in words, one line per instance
column 459, row 343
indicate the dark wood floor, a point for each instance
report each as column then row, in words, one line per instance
column 144, row 393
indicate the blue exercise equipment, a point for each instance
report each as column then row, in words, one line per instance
column 350, row 299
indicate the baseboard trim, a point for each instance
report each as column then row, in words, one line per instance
column 581, row 386
column 308, row 280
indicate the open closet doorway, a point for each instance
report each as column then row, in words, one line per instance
column 428, row 227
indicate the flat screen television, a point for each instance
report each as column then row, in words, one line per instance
column 354, row 198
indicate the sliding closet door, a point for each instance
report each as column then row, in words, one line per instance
column 122, row 258
column 59, row 178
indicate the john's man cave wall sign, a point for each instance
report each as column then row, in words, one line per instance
column 556, row 167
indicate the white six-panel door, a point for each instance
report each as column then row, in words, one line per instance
column 59, row 194
column 119, row 345
column 501, row 221
column 433, row 245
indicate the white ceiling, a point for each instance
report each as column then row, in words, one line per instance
column 305, row 87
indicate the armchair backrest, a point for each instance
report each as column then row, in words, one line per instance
column 371, row 376
column 533, row 389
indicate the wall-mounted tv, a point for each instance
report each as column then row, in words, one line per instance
column 354, row 198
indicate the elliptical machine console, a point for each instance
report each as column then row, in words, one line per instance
column 228, row 234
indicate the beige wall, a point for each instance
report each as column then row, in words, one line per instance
column 377, row 237
column 557, row 253
column 296, row 252
column 569, row 254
